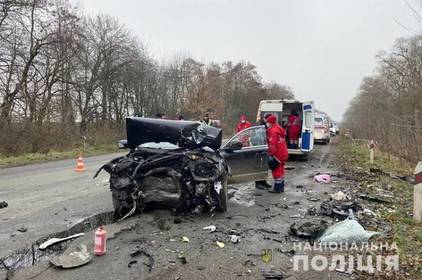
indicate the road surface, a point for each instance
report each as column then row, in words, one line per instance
column 256, row 214
column 49, row 197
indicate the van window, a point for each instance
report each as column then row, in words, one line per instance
column 308, row 119
column 319, row 121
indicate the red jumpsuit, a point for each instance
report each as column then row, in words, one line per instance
column 277, row 148
column 244, row 139
column 293, row 127
column 241, row 126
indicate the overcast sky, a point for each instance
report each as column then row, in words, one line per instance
column 320, row 48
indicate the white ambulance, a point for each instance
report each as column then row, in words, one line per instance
column 282, row 110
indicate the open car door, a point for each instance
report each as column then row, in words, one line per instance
column 307, row 127
column 246, row 155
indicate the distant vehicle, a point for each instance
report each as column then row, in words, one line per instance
column 334, row 129
column 321, row 128
column 282, row 109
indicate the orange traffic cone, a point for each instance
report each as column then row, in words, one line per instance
column 80, row 166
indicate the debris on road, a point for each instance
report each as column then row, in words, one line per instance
column 132, row 262
column 296, row 216
column 312, row 229
column 338, row 209
column 273, row 274
column 220, row 244
column 313, row 199
column 3, row 204
column 380, row 198
column 22, row 229
column 185, row 239
column 322, row 178
column 234, row 239
column 339, row 196
column 182, row 259
column 141, row 251
column 347, row 231
column 73, row 259
column 53, row 241
column 210, row 228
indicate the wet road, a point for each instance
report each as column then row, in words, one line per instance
column 261, row 219
column 49, row 197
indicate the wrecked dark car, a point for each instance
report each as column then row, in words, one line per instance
column 173, row 164
column 182, row 165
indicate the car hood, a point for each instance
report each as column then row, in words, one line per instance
column 185, row 134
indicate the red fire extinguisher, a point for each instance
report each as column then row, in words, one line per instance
column 100, row 241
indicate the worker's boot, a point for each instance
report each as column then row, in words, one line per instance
column 278, row 187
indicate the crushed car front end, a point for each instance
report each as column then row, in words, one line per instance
column 182, row 169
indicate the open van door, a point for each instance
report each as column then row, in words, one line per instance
column 307, row 127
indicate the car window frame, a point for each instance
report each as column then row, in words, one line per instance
column 249, row 147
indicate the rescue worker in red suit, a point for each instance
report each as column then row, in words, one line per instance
column 277, row 152
column 243, row 124
column 294, row 126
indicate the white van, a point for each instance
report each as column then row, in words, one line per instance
column 321, row 128
column 282, row 110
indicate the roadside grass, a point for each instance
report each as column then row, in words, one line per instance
column 407, row 234
column 28, row 158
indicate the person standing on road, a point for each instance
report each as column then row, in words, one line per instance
column 294, row 125
column 243, row 124
column 277, row 152
column 206, row 120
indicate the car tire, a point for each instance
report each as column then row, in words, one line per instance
column 223, row 197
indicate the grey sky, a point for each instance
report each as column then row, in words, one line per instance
column 320, row 48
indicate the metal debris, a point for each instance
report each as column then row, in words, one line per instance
column 210, row 228
column 234, row 239
column 53, row 241
column 338, row 209
column 311, row 229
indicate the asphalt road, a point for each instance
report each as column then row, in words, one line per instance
column 256, row 214
column 49, row 197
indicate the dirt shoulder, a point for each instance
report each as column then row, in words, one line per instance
column 389, row 189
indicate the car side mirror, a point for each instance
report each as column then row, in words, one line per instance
column 122, row 144
column 234, row 145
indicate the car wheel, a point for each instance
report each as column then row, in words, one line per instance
column 223, row 196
